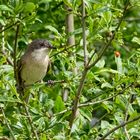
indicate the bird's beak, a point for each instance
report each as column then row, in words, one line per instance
column 52, row 47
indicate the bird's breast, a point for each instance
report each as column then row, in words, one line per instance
column 34, row 69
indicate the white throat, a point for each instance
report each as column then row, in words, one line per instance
column 41, row 53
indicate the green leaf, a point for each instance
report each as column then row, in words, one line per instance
column 29, row 7
column 107, row 85
column 101, row 63
column 59, row 104
column 5, row 8
column 136, row 40
column 54, row 30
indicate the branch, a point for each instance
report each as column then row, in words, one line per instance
column 65, row 49
column 119, row 126
column 76, row 101
column 30, row 121
column 102, row 51
column 6, row 28
column 3, row 49
column 93, row 103
column 84, row 33
column 15, row 52
column 49, row 82
column 101, row 101
column 86, row 68
column 7, row 123
column 7, row 58
column 15, row 74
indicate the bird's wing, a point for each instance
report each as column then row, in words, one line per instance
column 20, row 64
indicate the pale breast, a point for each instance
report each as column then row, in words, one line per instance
column 34, row 70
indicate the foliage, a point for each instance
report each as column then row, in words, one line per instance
column 110, row 95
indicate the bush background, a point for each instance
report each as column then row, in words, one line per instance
column 108, row 86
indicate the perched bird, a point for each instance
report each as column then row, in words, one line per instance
column 33, row 65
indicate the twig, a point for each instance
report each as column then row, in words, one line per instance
column 7, row 58
column 86, row 68
column 3, row 49
column 65, row 49
column 102, row 51
column 50, row 82
column 30, row 121
column 7, row 123
column 101, row 101
column 15, row 51
column 76, row 101
column 119, row 126
column 84, row 33
column 6, row 28
column 17, row 22
column 15, row 74
column 94, row 102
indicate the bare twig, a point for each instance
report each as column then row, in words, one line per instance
column 119, row 126
column 7, row 123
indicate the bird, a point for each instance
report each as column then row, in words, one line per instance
column 33, row 65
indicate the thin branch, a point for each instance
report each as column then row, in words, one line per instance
column 15, row 51
column 7, row 123
column 119, row 126
column 102, row 51
column 15, row 68
column 76, row 101
column 10, row 26
column 7, row 58
column 3, row 49
column 101, row 101
column 50, row 82
column 86, row 68
column 94, row 102
column 84, row 33
column 65, row 49
column 30, row 121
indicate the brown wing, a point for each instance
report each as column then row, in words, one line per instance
column 20, row 82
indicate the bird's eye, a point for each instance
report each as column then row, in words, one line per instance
column 42, row 44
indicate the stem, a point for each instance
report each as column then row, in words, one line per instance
column 102, row 51
column 95, row 102
column 86, row 68
column 119, row 126
column 76, row 101
column 84, row 32
column 15, row 52
column 30, row 121
column 7, row 123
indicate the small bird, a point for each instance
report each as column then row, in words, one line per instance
column 33, row 65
